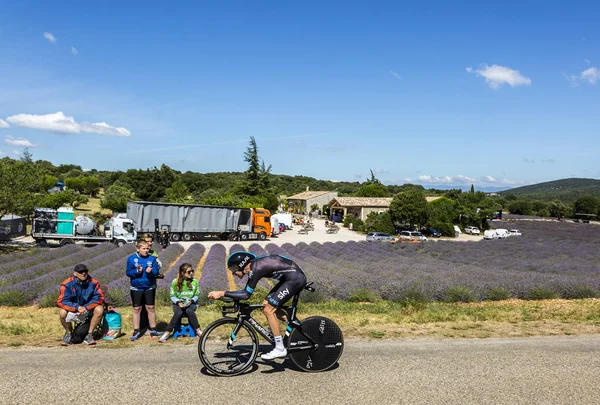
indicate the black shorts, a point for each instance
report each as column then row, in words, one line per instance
column 285, row 290
column 139, row 298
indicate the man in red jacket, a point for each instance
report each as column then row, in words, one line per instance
column 80, row 299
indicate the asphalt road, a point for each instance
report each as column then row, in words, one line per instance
column 491, row 371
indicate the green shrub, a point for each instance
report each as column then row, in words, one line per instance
column 348, row 218
column 445, row 228
column 163, row 296
column 363, row 295
column 581, row 291
column 13, row 299
column 497, row 294
column 49, row 300
column 117, row 297
column 541, row 293
column 414, row 297
column 459, row 294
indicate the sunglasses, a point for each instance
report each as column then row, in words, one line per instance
column 189, row 272
column 82, row 272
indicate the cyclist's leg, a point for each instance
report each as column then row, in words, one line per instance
column 278, row 296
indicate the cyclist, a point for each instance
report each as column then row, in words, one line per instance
column 291, row 281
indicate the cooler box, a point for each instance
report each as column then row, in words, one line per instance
column 65, row 213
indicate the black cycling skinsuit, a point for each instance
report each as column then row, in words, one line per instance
column 291, row 279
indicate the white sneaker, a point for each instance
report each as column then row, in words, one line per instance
column 164, row 337
column 274, row 354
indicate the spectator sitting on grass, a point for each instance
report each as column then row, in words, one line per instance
column 80, row 299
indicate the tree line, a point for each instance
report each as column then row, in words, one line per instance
column 25, row 184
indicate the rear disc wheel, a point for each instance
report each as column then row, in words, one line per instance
column 330, row 344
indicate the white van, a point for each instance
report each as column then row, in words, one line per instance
column 502, row 233
column 490, row 234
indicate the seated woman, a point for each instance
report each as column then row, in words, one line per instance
column 184, row 294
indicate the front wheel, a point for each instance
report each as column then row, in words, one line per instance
column 225, row 351
column 329, row 344
column 262, row 236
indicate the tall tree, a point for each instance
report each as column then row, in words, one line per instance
column 252, row 186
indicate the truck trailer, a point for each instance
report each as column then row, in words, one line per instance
column 62, row 227
column 188, row 222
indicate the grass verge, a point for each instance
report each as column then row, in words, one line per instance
column 32, row 326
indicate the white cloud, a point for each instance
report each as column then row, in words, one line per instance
column 11, row 140
column 591, row 75
column 396, row 75
column 461, row 180
column 496, row 76
column 587, row 61
column 16, row 152
column 74, row 50
column 60, row 123
column 50, row 37
column 380, row 170
column 4, row 124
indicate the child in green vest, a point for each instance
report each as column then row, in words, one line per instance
column 184, row 295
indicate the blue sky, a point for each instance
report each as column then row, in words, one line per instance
column 434, row 93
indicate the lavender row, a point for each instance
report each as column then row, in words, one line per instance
column 47, row 257
column 71, row 260
column 214, row 275
column 192, row 256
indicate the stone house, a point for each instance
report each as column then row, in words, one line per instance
column 360, row 207
column 301, row 203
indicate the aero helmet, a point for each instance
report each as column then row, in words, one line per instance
column 238, row 260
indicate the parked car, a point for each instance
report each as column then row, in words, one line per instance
column 431, row 232
column 404, row 235
column 473, row 230
column 412, row 236
column 374, row 236
column 418, row 236
column 514, row 232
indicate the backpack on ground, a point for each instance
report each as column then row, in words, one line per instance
column 80, row 331
column 112, row 324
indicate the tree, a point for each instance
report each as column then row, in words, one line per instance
column 443, row 210
column 521, row 207
column 372, row 190
column 409, row 207
column 379, row 222
column 472, row 189
column 90, row 185
column 27, row 156
column 252, row 186
column 178, row 192
column 372, row 180
column 116, row 198
column 558, row 209
column 586, row 205
column 20, row 185
column 265, row 176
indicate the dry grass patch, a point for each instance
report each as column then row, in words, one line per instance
column 32, row 326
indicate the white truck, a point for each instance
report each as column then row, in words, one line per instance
column 285, row 219
column 61, row 227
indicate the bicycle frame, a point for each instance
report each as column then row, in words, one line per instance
column 244, row 313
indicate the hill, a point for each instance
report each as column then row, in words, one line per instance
column 565, row 190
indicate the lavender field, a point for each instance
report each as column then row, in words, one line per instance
column 550, row 260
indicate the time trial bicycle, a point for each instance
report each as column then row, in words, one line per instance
column 229, row 345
